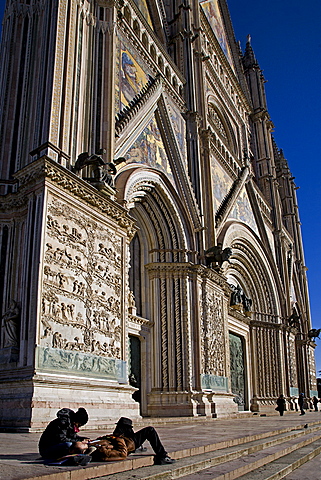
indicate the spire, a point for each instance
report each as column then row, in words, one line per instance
column 254, row 76
column 249, row 59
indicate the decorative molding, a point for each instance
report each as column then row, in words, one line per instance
column 45, row 169
column 213, row 334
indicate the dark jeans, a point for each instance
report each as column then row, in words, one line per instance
column 150, row 434
column 56, row 451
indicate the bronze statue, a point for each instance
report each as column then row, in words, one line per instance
column 247, row 303
column 314, row 333
column 217, row 255
column 239, row 300
column 294, row 319
column 236, row 296
column 102, row 172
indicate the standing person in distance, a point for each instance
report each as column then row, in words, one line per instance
column 281, row 405
column 301, row 403
column 315, row 403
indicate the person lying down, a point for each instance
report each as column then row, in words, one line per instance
column 110, row 448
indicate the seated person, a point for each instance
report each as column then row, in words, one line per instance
column 61, row 437
column 124, row 427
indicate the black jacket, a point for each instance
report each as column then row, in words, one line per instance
column 281, row 404
column 58, row 431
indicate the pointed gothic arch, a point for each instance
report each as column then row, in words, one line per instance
column 252, row 267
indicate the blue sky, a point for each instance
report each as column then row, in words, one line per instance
column 285, row 36
column 287, row 43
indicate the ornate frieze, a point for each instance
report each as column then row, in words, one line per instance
column 57, row 360
column 81, row 300
column 292, row 361
column 213, row 346
column 312, row 374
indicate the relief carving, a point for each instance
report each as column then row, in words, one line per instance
column 292, row 361
column 213, row 334
column 81, row 306
column 312, row 373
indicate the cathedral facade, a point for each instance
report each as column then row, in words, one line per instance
column 151, row 252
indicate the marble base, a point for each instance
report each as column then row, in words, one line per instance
column 28, row 405
column 191, row 404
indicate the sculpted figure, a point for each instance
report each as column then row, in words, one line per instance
column 314, row 333
column 11, row 322
column 102, row 173
column 236, row 296
column 294, row 319
column 217, row 255
column 247, row 303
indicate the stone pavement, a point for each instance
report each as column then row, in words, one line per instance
column 19, row 458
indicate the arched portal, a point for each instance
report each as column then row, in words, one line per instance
column 159, row 279
column 259, row 321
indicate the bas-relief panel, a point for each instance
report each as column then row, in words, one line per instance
column 243, row 212
column 221, row 183
column 81, row 297
column 292, row 362
column 55, row 360
column 149, row 149
column 312, row 371
column 212, row 342
column 213, row 15
column 213, row 339
column 130, row 78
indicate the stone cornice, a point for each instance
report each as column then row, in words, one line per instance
column 173, row 269
column 184, row 269
column 239, row 316
column 140, row 321
column 46, row 170
column 212, row 275
column 65, row 381
column 258, row 323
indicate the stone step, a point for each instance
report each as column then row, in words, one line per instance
column 284, row 466
column 310, row 470
column 184, row 440
column 227, row 462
